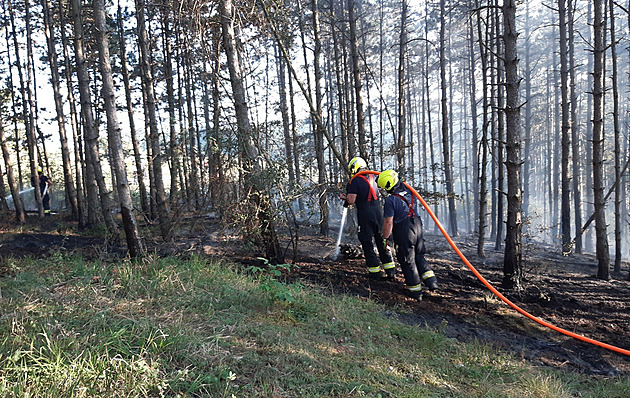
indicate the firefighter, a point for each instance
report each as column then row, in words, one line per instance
column 44, row 186
column 401, row 221
column 362, row 191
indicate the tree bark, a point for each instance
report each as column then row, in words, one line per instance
column 448, row 172
column 356, row 74
column 13, row 186
column 259, row 204
column 512, row 267
column 599, row 47
column 575, row 148
column 616, row 134
column 565, row 212
column 142, row 188
column 114, row 131
column 89, row 124
column 61, row 119
column 483, row 178
column 402, row 46
column 163, row 213
column 319, row 127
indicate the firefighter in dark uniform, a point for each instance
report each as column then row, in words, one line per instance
column 362, row 191
column 402, row 222
column 44, row 185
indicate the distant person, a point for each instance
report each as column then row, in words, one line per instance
column 44, row 187
column 401, row 220
column 362, row 191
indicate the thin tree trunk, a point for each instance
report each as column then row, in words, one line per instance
column 170, row 96
column 512, row 267
column 565, row 213
column 250, row 152
column 13, row 186
column 163, row 213
column 26, row 117
column 448, row 172
column 282, row 92
column 90, row 128
column 500, row 136
column 475, row 132
column 114, row 131
column 144, row 200
column 61, row 119
column 599, row 47
column 77, row 138
column 356, row 73
column 577, row 198
column 402, row 46
column 617, row 146
column 483, row 179
column 320, row 129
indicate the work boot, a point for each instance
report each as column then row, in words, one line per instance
column 432, row 283
column 391, row 273
column 377, row 276
column 416, row 295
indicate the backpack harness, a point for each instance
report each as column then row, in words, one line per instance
column 372, row 196
column 411, row 213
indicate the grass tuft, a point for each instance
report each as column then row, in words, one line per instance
column 198, row 327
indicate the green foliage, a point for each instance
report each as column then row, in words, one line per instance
column 169, row 327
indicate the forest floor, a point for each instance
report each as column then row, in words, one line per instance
column 560, row 289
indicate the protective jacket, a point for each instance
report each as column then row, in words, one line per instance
column 407, row 234
column 370, row 221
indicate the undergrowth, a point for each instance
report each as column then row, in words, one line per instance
column 174, row 327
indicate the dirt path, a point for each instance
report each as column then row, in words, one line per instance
column 560, row 290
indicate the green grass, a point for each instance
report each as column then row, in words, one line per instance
column 207, row 328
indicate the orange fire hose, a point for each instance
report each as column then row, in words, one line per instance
column 495, row 291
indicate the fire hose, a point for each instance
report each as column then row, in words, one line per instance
column 493, row 289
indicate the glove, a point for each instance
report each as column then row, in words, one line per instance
column 385, row 244
column 344, row 197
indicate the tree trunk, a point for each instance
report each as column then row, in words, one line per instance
column 565, row 213
column 170, row 96
column 284, row 111
column 356, row 73
column 89, row 125
column 512, row 267
column 528, row 116
column 61, row 119
column 402, row 46
column 617, row 146
column 114, row 131
column 163, row 213
column 483, row 179
column 79, row 162
column 500, row 173
column 473, row 116
column 448, row 178
column 259, row 203
column 13, row 186
column 319, row 127
column 577, row 197
column 142, row 188
column 599, row 47
column 27, row 117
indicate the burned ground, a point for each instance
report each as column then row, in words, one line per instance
column 560, row 289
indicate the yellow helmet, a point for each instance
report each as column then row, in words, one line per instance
column 40, row 170
column 356, row 164
column 387, row 180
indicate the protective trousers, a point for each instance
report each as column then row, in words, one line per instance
column 410, row 253
column 370, row 220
